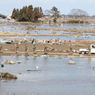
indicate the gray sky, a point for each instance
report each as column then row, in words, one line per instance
column 64, row 6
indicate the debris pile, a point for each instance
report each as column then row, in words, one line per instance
column 9, row 62
column 71, row 62
column 8, row 75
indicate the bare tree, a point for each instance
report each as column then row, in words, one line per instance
column 78, row 13
column 47, row 12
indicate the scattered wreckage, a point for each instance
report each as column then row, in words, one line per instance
column 91, row 50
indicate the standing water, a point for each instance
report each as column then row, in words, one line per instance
column 49, row 76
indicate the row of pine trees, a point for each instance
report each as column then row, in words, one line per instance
column 27, row 13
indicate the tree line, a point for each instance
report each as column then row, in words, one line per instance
column 27, row 13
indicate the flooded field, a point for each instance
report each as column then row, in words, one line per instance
column 62, row 38
column 77, row 26
column 49, row 76
column 21, row 29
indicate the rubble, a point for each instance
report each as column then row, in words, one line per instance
column 9, row 62
column 8, row 75
column 71, row 62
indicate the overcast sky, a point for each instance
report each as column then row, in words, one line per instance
column 64, row 6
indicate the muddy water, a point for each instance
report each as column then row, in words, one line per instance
column 49, row 76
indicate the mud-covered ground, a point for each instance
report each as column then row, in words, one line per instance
column 52, row 49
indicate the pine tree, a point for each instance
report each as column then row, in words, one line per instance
column 30, row 12
column 27, row 13
column 55, row 13
column 15, row 13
